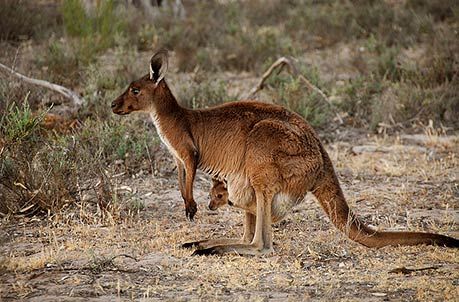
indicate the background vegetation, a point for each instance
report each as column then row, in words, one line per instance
column 386, row 66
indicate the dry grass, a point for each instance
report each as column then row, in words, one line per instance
column 138, row 256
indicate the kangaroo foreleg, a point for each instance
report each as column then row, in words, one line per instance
column 186, row 165
column 190, row 205
column 181, row 176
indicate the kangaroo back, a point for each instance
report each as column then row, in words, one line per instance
column 331, row 198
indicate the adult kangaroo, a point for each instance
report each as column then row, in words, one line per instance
column 270, row 158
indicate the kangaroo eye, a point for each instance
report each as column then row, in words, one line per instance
column 135, row 91
column 219, row 195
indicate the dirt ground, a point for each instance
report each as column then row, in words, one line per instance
column 400, row 182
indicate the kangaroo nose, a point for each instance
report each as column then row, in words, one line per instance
column 113, row 104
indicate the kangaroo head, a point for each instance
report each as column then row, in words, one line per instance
column 147, row 92
column 218, row 195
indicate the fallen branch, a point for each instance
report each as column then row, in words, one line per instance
column 324, row 97
column 76, row 99
column 280, row 63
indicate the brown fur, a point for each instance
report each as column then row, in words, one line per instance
column 271, row 158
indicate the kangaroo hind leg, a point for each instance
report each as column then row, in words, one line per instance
column 262, row 235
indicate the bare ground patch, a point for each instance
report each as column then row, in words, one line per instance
column 392, row 183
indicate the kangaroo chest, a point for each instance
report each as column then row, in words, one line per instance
column 163, row 137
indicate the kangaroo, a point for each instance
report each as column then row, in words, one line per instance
column 218, row 195
column 271, row 158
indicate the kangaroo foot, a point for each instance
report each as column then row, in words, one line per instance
column 204, row 252
column 189, row 245
column 239, row 249
column 207, row 243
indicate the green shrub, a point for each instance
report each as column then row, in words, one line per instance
column 76, row 21
column 290, row 91
column 119, row 140
column 25, row 183
column 60, row 63
column 201, row 40
column 204, row 94
column 20, row 124
column 260, row 31
column 43, row 171
column 96, row 31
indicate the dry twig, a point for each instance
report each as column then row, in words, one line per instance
column 77, row 100
column 407, row 271
column 280, row 63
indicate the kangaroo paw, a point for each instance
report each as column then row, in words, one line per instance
column 190, row 210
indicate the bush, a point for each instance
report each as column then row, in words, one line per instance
column 119, row 139
column 24, row 181
column 41, row 171
column 96, row 31
column 260, row 31
column 22, row 19
column 60, row 63
column 289, row 91
column 19, row 124
column 206, row 93
column 200, row 40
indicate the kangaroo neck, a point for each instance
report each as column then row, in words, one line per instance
column 171, row 121
column 167, row 114
column 166, row 105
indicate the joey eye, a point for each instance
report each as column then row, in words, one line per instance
column 135, row 91
column 219, row 195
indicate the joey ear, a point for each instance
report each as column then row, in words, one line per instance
column 158, row 65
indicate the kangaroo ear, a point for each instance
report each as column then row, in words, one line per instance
column 158, row 65
column 215, row 182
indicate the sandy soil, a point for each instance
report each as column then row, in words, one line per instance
column 403, row 182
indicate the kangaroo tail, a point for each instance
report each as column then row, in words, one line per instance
column 328, row 191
